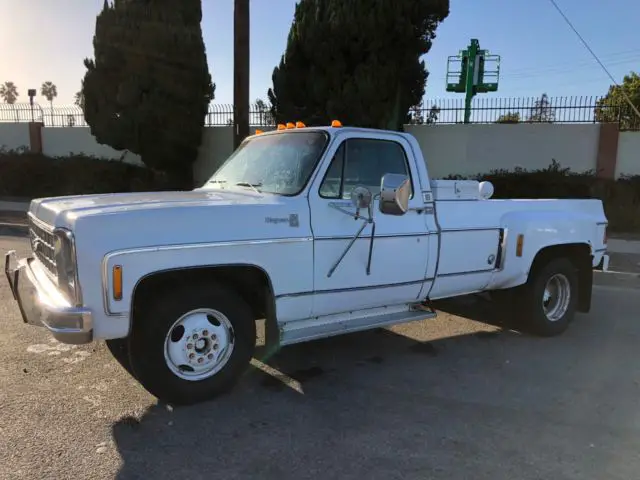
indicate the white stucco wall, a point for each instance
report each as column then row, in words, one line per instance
column 59, row 142
column 628, row 161
column 478, row 148
column 14, row 135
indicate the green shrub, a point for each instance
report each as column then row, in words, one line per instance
column 621, row 198
column 30, row 175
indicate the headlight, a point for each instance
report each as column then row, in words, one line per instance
column 65, row 257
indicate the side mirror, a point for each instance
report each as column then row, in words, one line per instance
column 361, row 197
column 394, row 194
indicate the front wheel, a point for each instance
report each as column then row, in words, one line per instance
column 193, row 344
column 550, row 297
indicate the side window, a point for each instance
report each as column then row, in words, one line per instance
column 331, row 186
column 362, row 162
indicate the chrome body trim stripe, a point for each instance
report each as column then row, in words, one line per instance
column 353, row 289
column 388, row 285
column 470, row 229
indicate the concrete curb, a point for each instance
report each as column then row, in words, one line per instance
column 616, row 279
column 617, row 245
column 21, row 207
column 13, row 229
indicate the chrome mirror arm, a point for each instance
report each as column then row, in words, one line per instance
column 367, row 220
column 346, row 250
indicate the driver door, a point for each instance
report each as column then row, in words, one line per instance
column 401, row 243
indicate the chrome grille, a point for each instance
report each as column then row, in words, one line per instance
column 42, row 244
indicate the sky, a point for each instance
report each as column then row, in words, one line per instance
column 47, row 41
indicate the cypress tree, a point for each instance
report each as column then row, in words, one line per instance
column 357, row 61
column 148, row 87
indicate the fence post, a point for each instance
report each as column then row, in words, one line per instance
column 35, row 137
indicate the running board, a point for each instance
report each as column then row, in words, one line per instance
column 316, row 328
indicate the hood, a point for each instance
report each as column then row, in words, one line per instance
column 60, row 211
column 131, row 220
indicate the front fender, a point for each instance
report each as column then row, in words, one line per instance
column 273, row 256
column 540, row 229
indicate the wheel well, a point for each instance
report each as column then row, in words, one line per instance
column 251, row 283
column 580, row 255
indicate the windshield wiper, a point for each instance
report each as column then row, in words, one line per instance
column 251, row 185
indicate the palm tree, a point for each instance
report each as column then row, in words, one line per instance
column 78, row 99
column 49, row 91
column 9, row 92
column 264, row 113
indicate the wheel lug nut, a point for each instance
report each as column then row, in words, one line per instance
column 200, row 360
column 213, row 337
column 191, row 355
column 195, row 336
column 215, row 346
column 205, row 332
column 210, row 356
column 189, row 346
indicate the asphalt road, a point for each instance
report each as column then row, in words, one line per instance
column 450, row 398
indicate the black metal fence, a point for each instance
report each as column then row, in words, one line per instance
column 542, row 109
column 222, row 114
column 438, row 111
column 51, row 116
column 73, row 116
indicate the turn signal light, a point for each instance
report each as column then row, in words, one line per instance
column 281, row 126
column 258, row 132
column 290, row 125
column 519, row 245
column 336, row 124
column 300, row 125
column 117, row 282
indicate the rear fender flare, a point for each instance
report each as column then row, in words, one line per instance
column 540, row 229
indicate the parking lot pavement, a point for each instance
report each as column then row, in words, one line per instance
column 447, row 398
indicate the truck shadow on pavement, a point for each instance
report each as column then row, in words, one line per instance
column 371, row 405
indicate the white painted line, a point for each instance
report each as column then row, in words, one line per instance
column 613, row 272
column 278, row 375
column 616, row 288
column 13, row 225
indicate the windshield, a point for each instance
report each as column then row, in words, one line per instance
column 280, row 163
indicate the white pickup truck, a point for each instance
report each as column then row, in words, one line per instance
column 318, row 231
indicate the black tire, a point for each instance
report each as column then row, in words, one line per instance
column 152, row 324
column 119, row 348
column 531, row 298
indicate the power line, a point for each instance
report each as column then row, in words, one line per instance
column 584, row 42
column 618, row 57
column 569, row 68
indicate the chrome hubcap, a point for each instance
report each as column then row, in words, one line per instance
column 199, row 344
column 556, row 297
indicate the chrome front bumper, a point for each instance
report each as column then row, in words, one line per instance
column 42, row 304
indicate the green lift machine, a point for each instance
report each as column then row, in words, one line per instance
column 472, row 71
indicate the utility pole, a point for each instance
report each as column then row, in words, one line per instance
column 467, row 73
column 240, row 71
